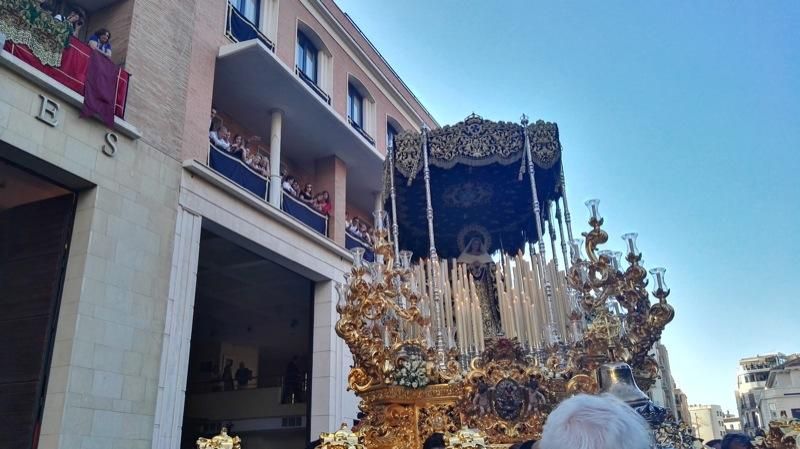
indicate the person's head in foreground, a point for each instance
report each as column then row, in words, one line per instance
column 594, row 422
column 435, row 441
column 736, row 441
column 714, row 444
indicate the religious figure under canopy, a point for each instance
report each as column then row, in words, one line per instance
column 480, row 265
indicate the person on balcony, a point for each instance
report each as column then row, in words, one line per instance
column 353, row 227
column 220, row 138
column 296, row 187
column 365, row 234
column 101, row 41
column 238, row 148
column 74, row 18
column 288, row 183
column 322, row 203
column 307, row 195
column 258, row 165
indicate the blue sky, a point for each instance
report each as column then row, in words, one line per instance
column 682, row 117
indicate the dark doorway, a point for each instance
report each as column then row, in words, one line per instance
column 36, row 219
column 250, row 356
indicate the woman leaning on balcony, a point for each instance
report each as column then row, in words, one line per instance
column 101, row 41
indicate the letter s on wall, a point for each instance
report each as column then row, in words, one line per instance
column 110, row 149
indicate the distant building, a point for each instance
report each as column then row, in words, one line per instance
column 750, row 382
column 780, row 398
column 681, row 406
column 732, row 423
column 663, row 390
column 707, row 421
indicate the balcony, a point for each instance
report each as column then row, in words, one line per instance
column 313, row 85
column 40, row 47
column 237, row 171
column 250, row 82
column 305, row 214
column 239, row 28
column 234, row 169
column 352, row 241
column 361, row 131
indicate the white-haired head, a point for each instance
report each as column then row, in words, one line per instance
column 595, row 422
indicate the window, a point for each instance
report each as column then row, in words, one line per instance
column 390, row 134
column 355, row 106
column 307, row 57
column 248, row 8
column 796, row 413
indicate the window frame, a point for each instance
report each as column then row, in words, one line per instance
column 354, row 94
column 391, row 133
column 303, row 48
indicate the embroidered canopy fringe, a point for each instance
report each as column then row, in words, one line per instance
column 24, row 22
column 477, row 142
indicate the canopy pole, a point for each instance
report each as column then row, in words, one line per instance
column 552, row 231
column 392, row 194
column 561, row 236
column 548, row 287
column 566, row 204
column 441, row 356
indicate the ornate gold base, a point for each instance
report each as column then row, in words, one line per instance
column 402, row 418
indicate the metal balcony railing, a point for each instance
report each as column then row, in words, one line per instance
column 313, row 85
column 239, row 28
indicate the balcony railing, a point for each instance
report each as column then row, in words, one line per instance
column 305, row 214
column 351, row 241
column 71, row 72
column 237, row 171
column 361, row 131
column 313, row 85
column 239, row 28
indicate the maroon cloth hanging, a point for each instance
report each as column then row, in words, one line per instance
column 100, row 89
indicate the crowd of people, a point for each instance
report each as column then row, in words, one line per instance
column 100, row 40
column 320, row 202
column 246, row 149
column 358, row 228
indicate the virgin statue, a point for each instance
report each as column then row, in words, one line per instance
column 482, row 268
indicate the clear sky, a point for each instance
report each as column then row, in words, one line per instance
column 683, row 117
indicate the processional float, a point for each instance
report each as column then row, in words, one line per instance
column 467, row 324
column 447, row 337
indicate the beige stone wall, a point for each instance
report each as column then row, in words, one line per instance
column 102, row 386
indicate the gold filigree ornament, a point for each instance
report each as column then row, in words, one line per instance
column 781, row 434
column 465, row 438
column 221, row 441
column 674, row 435
column 413, row 379
column 343, row 438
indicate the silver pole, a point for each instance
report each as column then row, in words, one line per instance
column 567, row 216
column 548, row 287
column 441, row 356
column 393, row 196
column 561, row 236
column 552, row 231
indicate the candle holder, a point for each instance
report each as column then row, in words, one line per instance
column 661, row 290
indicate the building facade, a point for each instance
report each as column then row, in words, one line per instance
column 663, row 390
column 780, row 398
column 751, row 379
column 732, row 423
column 163, row 287
column 707, row 421
column 681, row 406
